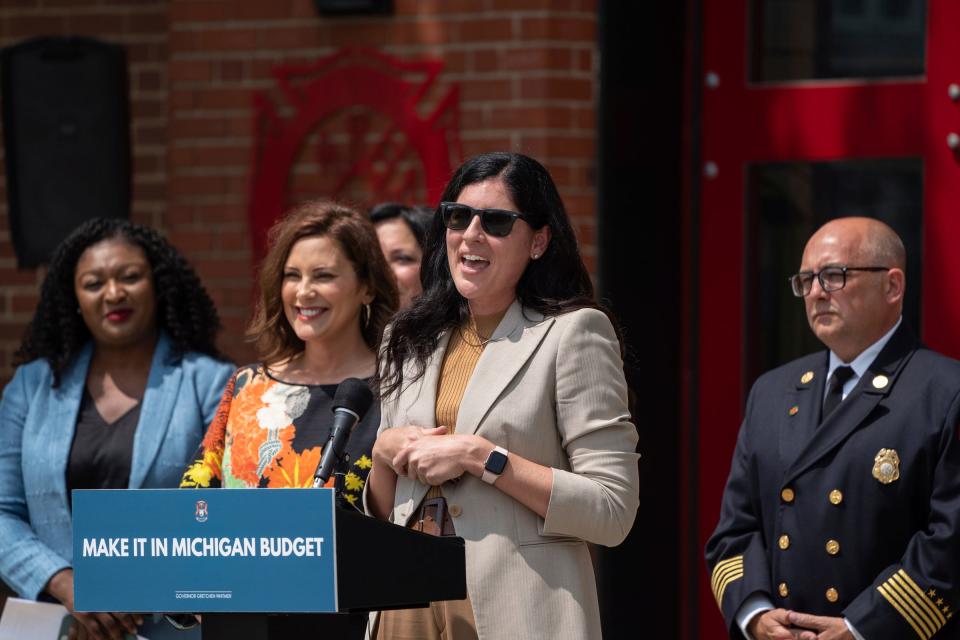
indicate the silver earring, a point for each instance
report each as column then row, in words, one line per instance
column 535, row 256
column 366, row 315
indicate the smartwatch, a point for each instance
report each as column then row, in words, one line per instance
column 495, row 464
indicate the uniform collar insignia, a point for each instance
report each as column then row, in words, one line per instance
column 882, row 373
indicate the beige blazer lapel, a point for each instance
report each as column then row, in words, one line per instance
column 511, row 345
column 417, row 406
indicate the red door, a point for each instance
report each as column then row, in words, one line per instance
column 812, row 110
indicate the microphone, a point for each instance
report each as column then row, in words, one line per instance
column 350, row 404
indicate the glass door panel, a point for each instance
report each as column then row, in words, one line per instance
column 786, row 202
column 830, row 39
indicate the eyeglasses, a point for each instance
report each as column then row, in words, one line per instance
column 831, row 279
column 496, row 222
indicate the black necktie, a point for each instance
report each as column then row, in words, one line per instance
column 835, row 390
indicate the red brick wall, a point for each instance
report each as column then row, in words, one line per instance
column 141, row 26
column 527, row 71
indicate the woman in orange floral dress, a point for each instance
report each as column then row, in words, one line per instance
column 325, row 295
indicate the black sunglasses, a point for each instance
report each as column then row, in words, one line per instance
column 496, row 222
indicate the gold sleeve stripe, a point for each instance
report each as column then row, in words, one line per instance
column 728, row 561
column 722, row 588
column 893, row 600
column 724, row 568
column 922, row 597
column 724, row 573
column 896, row 582
column 724, row 578
column 911, row 608
column 910, row 601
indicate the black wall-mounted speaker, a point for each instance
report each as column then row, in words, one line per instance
column 350, row 7
column 66, row 128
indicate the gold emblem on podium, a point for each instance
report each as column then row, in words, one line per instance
column 886, row 466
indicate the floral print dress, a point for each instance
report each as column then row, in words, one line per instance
column 270, row 433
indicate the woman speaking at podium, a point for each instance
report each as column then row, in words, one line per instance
column 118, row 377
column 504, row 413
column 325, row 295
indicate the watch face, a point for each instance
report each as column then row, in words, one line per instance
column 496, row 462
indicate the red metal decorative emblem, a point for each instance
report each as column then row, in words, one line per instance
column 351, row 127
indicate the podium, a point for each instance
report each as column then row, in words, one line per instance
column 238, row 555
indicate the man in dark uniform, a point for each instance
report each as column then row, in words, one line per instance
column 841, row 512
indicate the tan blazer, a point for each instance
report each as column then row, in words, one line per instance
column 551, row 390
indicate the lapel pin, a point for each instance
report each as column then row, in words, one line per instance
column 807, row 377
column 794, row 410
column 886, row 466
column 880, row 382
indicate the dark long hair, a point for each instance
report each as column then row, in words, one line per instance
column 184, row 310
column 554, row 284
column 415, row 217
column 357, row 238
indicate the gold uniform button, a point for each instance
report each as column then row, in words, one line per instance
column 833, row 547
column 787, row 495
column 784, row 542
column 836, row 496
column 455, row 510
column 832, row 595
column 784, row 591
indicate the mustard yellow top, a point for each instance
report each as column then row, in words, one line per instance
column 460, row 359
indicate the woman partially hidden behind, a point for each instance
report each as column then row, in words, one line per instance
column 118, row 378
column 402, row 232
column 504, row 413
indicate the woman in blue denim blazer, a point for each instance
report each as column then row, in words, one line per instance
column 119, row 377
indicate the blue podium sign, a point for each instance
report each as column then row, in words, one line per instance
column 200, row 550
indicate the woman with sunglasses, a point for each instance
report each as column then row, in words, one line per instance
column 504, row 413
